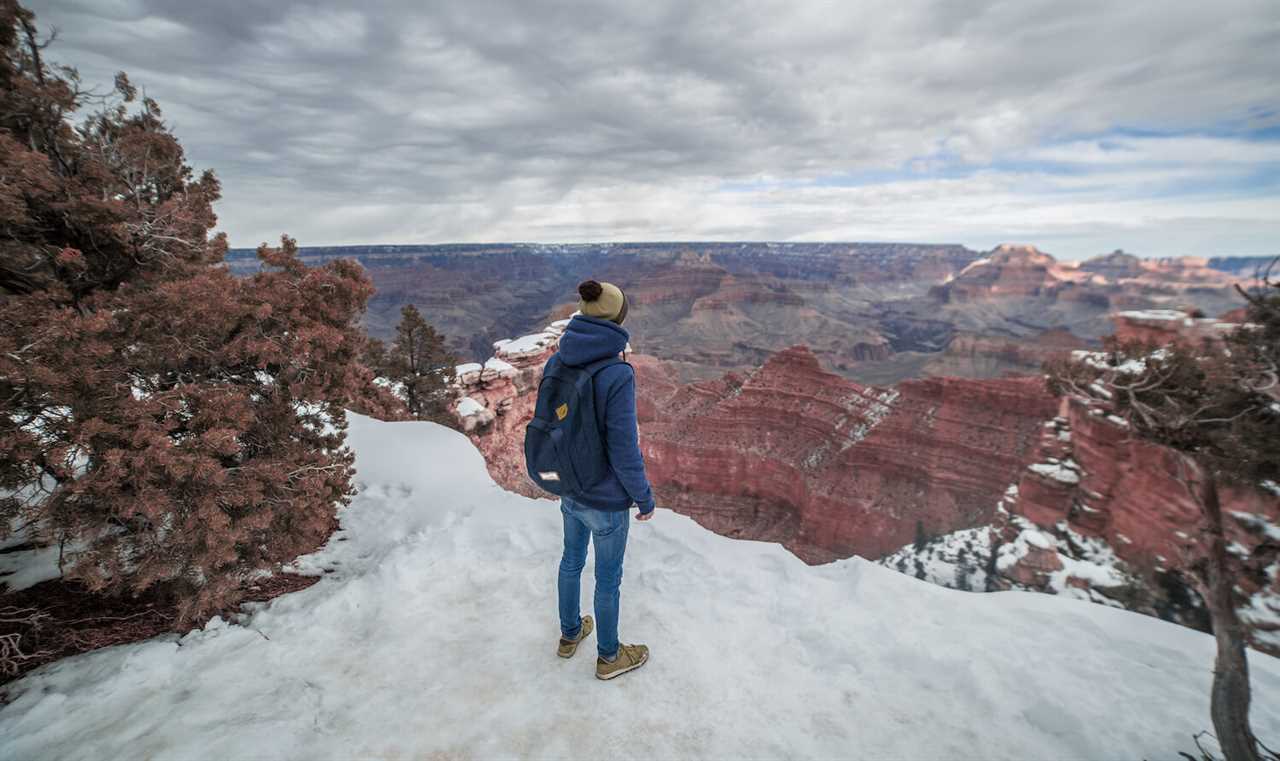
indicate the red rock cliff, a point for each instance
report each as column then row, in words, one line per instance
column 794, row 454
column 830, row 468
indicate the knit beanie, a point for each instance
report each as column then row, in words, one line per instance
column 603, row 300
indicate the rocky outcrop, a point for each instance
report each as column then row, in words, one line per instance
column 1160, row 327
column 1104, row 516
column 1092, row 480
column 495, row 402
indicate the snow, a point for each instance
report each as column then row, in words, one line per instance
column 1094, row 359
column 469, row 367
column 1262, row 611
column 468, row 406
column 21, row 569
column 1158, row 315
column 524, row 345
column 1089, row 559
column 500, row 367
column 1100, row 360
column 956, row 560
column 1259, row 524
column 1270, row 486
column 1064, row 472
column 433, row 636
column 1084, row 559
column 975, row 264
column 1037, row 539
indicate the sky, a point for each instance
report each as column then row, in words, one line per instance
column 1079, row 127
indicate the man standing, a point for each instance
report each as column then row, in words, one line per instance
column 587, row 450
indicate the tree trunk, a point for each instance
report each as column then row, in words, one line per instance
column 1229, row 703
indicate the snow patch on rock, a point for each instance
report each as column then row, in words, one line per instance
column 1067, row 471
column 524, row 346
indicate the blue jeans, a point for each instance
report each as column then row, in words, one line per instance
column 608, row 530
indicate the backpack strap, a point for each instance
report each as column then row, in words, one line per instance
column 588, row 372
column 601, row 364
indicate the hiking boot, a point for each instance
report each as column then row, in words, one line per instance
column 570, row 646
column 630, row 658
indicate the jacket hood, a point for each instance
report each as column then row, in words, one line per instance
column 587, row 339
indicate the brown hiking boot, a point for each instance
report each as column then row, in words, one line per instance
column 630, row 658
column 570, row 646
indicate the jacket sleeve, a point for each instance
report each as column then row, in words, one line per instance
column 622, row 438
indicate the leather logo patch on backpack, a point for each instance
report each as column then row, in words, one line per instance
column 562, row 412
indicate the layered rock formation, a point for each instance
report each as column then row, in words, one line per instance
column 877, row 313
column 1093, row 482
column 1160, row 327
column 1104, row 516
column 706, row 307
column 1009, row 271
column 1116, row 280
column 790, row 452
column 831, row 468
column 977, row 356
column 1025, row 290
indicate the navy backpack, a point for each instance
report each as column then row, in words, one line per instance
column 564, row 448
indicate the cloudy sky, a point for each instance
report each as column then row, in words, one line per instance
column 1082, row 126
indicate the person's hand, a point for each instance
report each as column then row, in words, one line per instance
column 645, row 516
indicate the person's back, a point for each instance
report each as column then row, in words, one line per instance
column 599, row 512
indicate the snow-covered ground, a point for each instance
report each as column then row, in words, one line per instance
column 434, row 636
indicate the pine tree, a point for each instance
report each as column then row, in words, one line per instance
column 182, row 427
column 922, row 538
column 422, row 365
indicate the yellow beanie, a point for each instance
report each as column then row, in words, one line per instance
column 603, row 300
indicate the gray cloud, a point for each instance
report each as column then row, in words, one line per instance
column 537, row 120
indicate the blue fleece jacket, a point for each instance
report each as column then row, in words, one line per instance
column 586, row 340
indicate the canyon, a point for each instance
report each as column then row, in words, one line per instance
column 881, row 400
column 790, row 452
column 977, row 483
column 875, row 313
